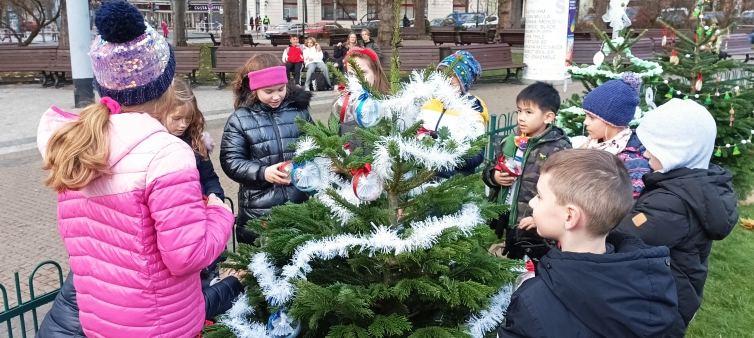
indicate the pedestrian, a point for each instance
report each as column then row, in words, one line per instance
column 54, row 31
column 257, row 138
column 256, row 23
column 266, row 23
column 165, row 30
column 251, row 24
column 131, row 213
column 406, row 21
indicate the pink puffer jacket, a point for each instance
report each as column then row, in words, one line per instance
column 138, row 239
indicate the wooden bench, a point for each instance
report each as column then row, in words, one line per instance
column 738, row 44
column 442, row 35
column 337, row 38
column 214, row 42
column 248, row 39
column 230, row 59
column 410, row 33
column 583, row 51
column 412, row 57
column 473, row 36
column 284, row 39
column 493, row 57
column 513, row 37
column 28, row 59
column 57, row 69
column 187, row 60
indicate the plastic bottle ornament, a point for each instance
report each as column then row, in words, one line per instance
column 367, row 110
column 670, row 93
column 736, row 151
column 732, row 112
column 598, row 58
column 718, row 153
column 287, row 168
column 306, row 177
column 674, row 57
column 649, row 97
column 664, row 35
column 281, row 326
column 727, row 95
column 698, row 84
column 367, row 186
column 708, row 101
column 524, row 276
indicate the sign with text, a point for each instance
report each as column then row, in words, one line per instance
column 205, row 8
column 546, row 44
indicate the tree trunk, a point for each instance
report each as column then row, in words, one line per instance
column 63, row 27
column 600, row 8
column 387, row 20
column 503, row 15
column 242, row 15
column 517, row 7
column 419, row 24
column 231, row 36
column 179, row 23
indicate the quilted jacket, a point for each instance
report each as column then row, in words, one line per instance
column 255, row 138
column 138, row 238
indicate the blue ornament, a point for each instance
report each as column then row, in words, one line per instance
column 306, row 177
column 367, row 110
column 281, row 326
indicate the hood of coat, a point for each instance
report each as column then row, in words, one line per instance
column 707, row 192
column 297, row 98
column 629, row 289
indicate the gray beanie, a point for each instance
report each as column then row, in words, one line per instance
column 680, row 134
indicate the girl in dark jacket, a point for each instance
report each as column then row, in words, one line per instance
column 256, row 138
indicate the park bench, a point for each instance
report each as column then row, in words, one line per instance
column 473, row 36
column 337, row 38
column 57, row 69
column 583, row 51
column 442, row 35
column 284, row 39
column 494, row 57
column 412, row 57
column 738, row 44
column 230, row 59
column 513, row 37
column 187, row 60
column 28, row 59
column 248, row 39
column 410, row 33
column 214, row 42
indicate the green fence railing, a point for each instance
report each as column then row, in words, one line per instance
column 499, row 127
column 34, row 302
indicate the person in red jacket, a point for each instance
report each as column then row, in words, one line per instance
column 293, row 56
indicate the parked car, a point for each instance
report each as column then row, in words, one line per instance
column 282, row 28
column 322, row 29
column 747, row 18
column 462, row 18
column 370, row 25
column 675, row 16
column 474, row 20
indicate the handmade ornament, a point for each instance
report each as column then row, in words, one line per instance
column 281, row 326
column 367, row 186
column 307, row 176
column 424, row 132
column 287, row 168
column 708, row 101
column 670, row 93
column 435, row 117
column 649, row 97
column 674, row 57
column 598, row 58
column 367, row 110
column 727, row 95
column 736, row 151
column 685, row 97
column 664, row 35
column 732, row 112
column 512, row 166
column 718, row 153
column 698, row 84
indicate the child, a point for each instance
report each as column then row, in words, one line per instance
column 368, row 61
column 313, row 60
column 687, row 202
column 165, row 30
column 513, row 178
column 463, row 75
column 609, row 109
column 293, row 56
column 130, row 207
column 598, row 285
column 256, row 138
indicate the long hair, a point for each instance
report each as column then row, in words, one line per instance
column 242, row 93
column 381, row 82
column 188, row 107
column 78, row 152
column 348, row 41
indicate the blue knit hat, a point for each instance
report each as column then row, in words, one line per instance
column 615, row 101
column 468, row 70
column 132, row 63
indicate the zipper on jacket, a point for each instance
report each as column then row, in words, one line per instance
column 281, row 156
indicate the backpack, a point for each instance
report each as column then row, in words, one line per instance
column 319, row 83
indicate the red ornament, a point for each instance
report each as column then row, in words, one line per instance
column 341, row 87
column 698, row 84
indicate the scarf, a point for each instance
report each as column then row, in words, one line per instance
column 614, row 145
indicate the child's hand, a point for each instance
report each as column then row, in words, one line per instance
column 527, row 223
column 273, row 175
column 504, row 178
column 214, row 200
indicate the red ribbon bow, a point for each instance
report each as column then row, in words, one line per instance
column 500, row 163
column 425, row 131
column 363, row 171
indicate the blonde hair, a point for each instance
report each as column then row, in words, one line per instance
column 79, row 151
column 242, row 93
column 187, row 103
column 594, row 180
column 355, row 41
column 312, row 40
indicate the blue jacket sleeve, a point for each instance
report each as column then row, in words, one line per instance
column 209, row 179
column 467, row 168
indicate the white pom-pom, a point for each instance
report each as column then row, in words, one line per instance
column 678, row 92
column 666, row 81
column 696, row 96
column 727, row 145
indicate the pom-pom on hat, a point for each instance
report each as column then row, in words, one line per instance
column 366, row 51
column 615, row 101
column 132, row 63
column 467, row 70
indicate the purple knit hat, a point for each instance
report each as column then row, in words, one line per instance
column 132, row 63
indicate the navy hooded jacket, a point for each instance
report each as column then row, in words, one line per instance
column 626, row 292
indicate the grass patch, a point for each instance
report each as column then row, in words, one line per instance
column 205, row 75
column 728, row 306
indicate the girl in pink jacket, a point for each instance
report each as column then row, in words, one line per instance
column 130, row 208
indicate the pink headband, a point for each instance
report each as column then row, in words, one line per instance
column 267, row 77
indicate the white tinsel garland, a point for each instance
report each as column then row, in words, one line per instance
column 236, row 320
column 488, row 320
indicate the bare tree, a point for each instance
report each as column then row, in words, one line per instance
column 419, row 18
column 503, row 15
column 63, row 27
column 179, row 23
column 387, row 21
column 600, row 8
column 231, row 36
column 29, row 8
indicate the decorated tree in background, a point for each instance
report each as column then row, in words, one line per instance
column 697, row 72
column 609, row 63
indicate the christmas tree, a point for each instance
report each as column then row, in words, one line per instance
column 383, row 248
column 696, row 70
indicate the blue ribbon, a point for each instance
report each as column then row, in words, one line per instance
column 363, row 99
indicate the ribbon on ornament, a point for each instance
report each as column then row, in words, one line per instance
column 426, row 132
column 344, row 107
column 360, row 108
column 358, row 173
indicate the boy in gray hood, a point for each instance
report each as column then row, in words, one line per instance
column 687, row 202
